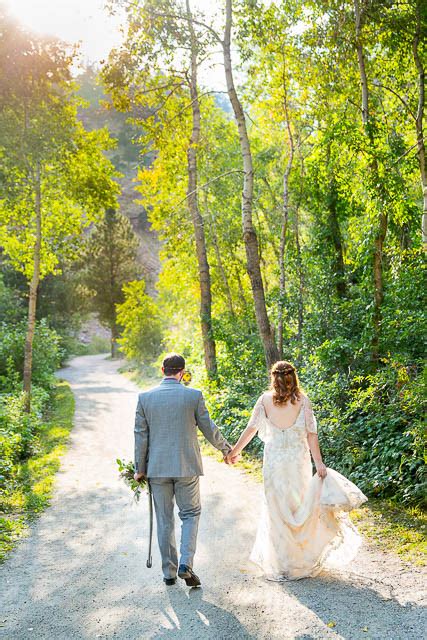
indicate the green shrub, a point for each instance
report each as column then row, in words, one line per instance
column 11, row 303
column 18, row 429
column 231, row 409
column 371, row 427
column 142, row 327
column 47, row 352
column 242, row 378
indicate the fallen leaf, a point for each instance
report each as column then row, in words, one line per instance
column 331, row 624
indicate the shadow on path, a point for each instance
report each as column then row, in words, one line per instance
column 196, row 617
column 357, row 611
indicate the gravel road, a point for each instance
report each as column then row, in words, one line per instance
column 81, row 572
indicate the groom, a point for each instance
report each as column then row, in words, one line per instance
column 168, row 454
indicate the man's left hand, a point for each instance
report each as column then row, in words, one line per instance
column 231, row 458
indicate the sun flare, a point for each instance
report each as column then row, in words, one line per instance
column 75, row 21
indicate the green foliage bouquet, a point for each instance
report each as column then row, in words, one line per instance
column 126, row 472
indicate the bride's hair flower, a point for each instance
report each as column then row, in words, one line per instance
column 284, row 370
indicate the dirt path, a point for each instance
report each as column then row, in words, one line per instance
column 81, row 573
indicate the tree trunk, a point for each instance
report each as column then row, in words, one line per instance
column 249, row 235
column 32, row 301
column 240, row 285
column 110, row 219
column 300, row 277
column 334, row 226
column 381, row 231
column 285, row 218
column 299, row 264
column 271, row 217
column 419, row 121
column 114, row 337
column 193, row 205
column 339, row 269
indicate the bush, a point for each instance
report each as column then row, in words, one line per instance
column 231, row 408
column 242, row 378
column 371, row 427
column 18, row 429
column 142, row 327
column 11, row 304
column 47, row 352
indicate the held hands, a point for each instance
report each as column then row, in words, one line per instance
column 321, row 470
column 232, row 457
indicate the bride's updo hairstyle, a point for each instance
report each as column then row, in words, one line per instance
column 284, row 383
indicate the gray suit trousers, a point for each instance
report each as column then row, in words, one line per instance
column 187, row 495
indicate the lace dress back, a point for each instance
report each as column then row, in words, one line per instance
column 304, row 525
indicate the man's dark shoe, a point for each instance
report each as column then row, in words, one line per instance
column 169, row 581
column 187, row 574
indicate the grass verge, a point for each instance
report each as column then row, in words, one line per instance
column 144, row 377
column 392, row 527
column 396, row 528
column 35, row 477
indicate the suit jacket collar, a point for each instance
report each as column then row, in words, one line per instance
column 170, row 381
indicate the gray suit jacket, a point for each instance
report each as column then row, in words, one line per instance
column 166, row 422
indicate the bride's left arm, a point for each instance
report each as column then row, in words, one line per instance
column 312, row 438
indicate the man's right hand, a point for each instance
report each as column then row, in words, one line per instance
column 138, row 476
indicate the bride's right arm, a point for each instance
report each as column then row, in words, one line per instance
column 249, row 433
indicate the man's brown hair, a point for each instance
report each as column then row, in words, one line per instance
column 173, row 363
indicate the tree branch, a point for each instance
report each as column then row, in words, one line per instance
column 202, row 186
column 405, row 104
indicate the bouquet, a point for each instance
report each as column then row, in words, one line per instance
column 126, row 472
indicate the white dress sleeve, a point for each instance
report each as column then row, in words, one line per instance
column 310, row 418
column 258, row 414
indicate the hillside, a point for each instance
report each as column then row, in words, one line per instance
column 126, row 157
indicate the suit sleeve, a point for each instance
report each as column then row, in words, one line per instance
column 209, row 429
column 141, row 439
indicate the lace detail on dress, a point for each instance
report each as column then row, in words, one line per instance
column 257, row 413
column 310, row 418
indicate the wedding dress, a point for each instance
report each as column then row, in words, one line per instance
column 304, row 525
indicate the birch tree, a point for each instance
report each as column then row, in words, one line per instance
column 54, row 176
column 158, row 67
column 249, row 234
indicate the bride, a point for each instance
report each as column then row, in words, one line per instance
column 304, row 525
